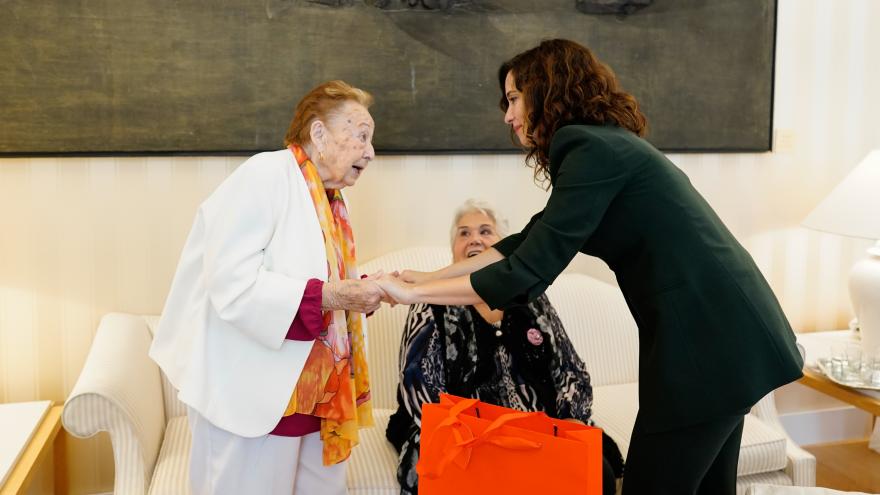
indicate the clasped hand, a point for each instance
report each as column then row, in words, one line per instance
column 367, row 294
column 399, row 287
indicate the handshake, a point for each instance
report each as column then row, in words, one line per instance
column 368, row 293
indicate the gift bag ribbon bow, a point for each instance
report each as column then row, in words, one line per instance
column 464, row 440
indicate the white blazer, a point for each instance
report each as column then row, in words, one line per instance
column 221, row 339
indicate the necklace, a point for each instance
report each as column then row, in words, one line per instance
column 484, row 313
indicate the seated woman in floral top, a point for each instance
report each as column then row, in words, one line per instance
column 520, row 358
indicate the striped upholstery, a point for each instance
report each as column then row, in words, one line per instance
column 172, row 468
column 120, row 391
column 87, row 415
column 767, row 489
column 762, row 449
column 778, row 478
column 373, row 463
column 801, row 468
column 614, row 410
column 123, row 392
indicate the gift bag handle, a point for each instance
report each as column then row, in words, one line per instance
column 465, row 440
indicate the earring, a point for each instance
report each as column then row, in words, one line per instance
column 321, row 155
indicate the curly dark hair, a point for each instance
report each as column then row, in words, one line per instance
column 563, row 83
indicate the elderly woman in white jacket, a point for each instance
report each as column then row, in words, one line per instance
column 263, row 329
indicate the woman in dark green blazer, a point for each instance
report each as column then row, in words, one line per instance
column 713, row 339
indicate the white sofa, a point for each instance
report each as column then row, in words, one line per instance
column 121, row 391
column 795, row 490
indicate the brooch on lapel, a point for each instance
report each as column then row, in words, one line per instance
column 534, row 336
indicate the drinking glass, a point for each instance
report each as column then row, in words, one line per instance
column 838, row 360
column 872, row 375
column 852, row 369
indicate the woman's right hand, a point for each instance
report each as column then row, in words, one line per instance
column 362, row 296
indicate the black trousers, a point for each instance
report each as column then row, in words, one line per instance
column 699, row 459
column 609, row 482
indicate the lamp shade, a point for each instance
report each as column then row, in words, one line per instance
column 853, row 207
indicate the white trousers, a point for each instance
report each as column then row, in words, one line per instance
column 223, row 463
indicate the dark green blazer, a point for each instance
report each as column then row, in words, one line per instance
column 713, row 339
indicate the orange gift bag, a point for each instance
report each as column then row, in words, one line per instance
column 470, row 447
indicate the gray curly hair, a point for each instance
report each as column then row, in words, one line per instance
column 477, row 206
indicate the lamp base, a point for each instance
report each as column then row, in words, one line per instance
column 864, row 290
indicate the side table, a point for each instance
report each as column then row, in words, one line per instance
column 30, row 430
column 817, row 345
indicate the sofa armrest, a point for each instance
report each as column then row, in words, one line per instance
column 801, row 466
column 119, row 391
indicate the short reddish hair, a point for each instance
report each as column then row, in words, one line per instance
column 562, row 83
column 319, row 104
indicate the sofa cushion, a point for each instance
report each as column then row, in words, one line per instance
column 766, row 489
column 615, row 408
column 171, row 474
column 776, row 478
column 762, row 449
column 372, row 469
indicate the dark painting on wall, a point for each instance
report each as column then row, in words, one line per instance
column 222, row 76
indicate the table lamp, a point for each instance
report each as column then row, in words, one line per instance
column 853, row 209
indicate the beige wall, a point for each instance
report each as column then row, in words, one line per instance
column 80, row 237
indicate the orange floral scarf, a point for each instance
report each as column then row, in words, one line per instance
column 334, row 384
